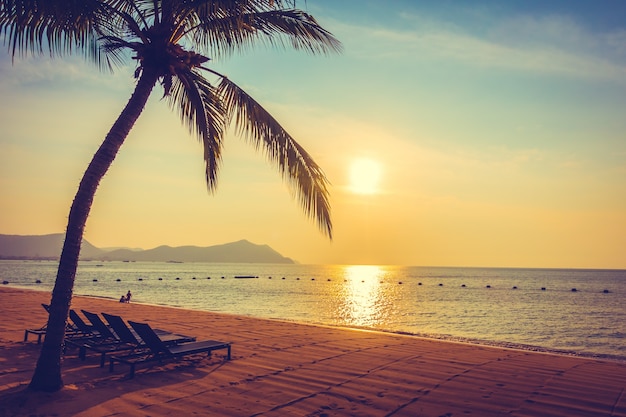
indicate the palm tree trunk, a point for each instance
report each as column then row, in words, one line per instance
column 47, row 376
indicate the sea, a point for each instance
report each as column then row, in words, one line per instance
column 565, row 311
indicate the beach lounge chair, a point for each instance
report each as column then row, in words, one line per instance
column 119, row 337
column 128, row 335
column 81, row 325
column 70, row 329
column 85, row 333
column 105, row 342
column 159, row 351
column 39, row 332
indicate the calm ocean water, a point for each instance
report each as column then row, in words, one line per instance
column 526, row 308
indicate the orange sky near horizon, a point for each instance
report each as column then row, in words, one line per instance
column 488, row 136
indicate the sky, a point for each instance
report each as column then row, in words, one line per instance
column 453, row 133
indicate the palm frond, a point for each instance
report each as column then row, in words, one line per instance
column 200, row 109
column 116, row 49
column 301, row 30
column 59, row 26
column 227, row 29
column 307, row 179
column 159, row 32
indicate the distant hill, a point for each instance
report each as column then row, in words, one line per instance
column 41, row 247
column 49, row 247
column 242, row 251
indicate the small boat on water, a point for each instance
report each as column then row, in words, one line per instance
column 245, row 276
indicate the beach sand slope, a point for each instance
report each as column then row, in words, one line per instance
column 286, row 369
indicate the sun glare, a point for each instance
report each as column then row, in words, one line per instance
column 363, row 294
column 364, row 176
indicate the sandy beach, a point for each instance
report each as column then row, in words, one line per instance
column 286, row 369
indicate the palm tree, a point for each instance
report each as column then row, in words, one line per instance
column 159, row 35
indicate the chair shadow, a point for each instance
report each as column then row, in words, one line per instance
column 85, row 384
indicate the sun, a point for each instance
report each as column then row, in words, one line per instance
column 364, row 176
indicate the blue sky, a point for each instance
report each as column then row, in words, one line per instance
column 496, row 127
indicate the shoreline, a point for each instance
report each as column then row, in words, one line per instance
column 440, row 337
column 281, row 368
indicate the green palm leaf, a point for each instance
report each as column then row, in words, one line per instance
column 296, row 165
column 200, row 108
column 61, row 27
column 226, row 31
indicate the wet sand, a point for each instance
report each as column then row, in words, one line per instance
column 287, row 369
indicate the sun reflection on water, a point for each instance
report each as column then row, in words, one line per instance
column 363, row 298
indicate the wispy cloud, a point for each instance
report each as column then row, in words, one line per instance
column 57, row 73
column 550, row 45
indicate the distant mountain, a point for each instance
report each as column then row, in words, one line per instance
column 41, row 247
column 49, row 247
column 240, row 252
column 112, row 248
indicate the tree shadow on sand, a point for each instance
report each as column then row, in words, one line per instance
column 86, row 384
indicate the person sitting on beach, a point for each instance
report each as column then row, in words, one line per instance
column 128, row 295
